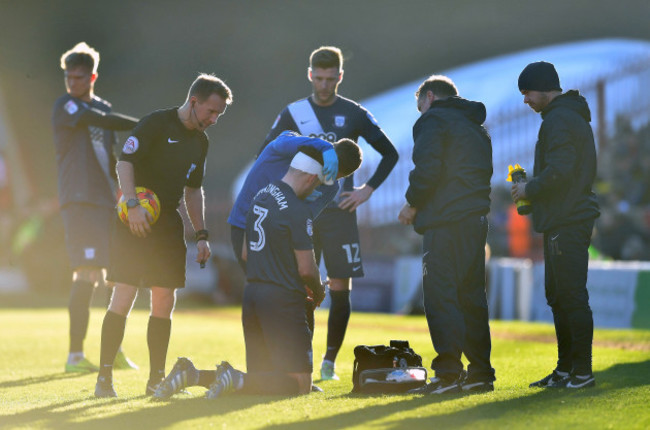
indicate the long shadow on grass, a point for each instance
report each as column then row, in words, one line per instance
column 360, row 416
column 546, row 401
column 619, row 376
column 39, row 379
column 147, row 414
column 50, row 416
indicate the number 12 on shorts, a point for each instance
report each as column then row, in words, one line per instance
column 352, row 252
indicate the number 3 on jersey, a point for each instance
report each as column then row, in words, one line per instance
column 261, row 238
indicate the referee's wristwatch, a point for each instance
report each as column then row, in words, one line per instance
column 201, row 235
column 131, row 203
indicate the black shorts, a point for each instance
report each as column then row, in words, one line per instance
column 155, row 261
column 87, row 233
column 336, row 237
column 276, row 330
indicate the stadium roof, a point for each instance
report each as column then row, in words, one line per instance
column 494, row 82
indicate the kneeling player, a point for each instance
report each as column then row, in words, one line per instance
column 280, row 263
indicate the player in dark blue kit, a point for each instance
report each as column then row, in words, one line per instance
column 329, row 116
column 84, row 136
column 166, row 153
column 271, row 165
column 280, row 263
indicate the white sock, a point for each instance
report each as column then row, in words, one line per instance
column 75, row 357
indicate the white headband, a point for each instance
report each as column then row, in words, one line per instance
column 305, row 163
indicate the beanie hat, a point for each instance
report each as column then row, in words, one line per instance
column 539, row 76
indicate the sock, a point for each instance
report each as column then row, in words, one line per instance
column 81, row 294
column 337, row 323
column 269, row 383
column 112, row 335
column 75, row 357
column 206, row 378
column 158, row 332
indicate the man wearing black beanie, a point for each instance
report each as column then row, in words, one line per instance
column 564, row 210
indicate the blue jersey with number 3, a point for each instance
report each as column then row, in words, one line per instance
column 277, row 223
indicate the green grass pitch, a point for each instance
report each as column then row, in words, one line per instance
column 35, row 393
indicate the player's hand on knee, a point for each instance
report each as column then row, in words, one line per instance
column 310, row 298
column 139, row 220
column 318, row 296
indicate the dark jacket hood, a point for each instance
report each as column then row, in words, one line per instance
column 474, row 111
column 570, row 100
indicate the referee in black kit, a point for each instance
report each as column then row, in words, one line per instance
column 166, row 154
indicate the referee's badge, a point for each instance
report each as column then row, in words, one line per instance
column 310, row 228
column 339, row 121
column 71, row 107
column 131, row 145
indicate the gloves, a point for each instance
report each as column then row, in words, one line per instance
column 315, row 195
column 330, row 165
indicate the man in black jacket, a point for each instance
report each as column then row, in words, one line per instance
column 447, row 202
column 564, row 209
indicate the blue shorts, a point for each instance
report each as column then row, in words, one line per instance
column 276, row 331
column 158, row 260
column 88, row 233
column 336, row 237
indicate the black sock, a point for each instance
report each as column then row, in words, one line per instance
column 112, row 335
column 206, row 378
column 81, row 294
column 337, row 323
column 158, row 332
column 269, row 383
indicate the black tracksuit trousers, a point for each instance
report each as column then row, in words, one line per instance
column 455, row 301
column 566, row 259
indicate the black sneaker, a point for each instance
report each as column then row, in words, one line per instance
column 228, row 380
column 586, row 381
column 438, row 386
column 104, row 387
column 469, row 386
column 554, row 380
column 182, row 375
column 316, row 389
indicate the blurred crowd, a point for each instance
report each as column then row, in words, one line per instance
column 623, row 188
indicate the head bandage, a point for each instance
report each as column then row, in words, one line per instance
column 305, row 163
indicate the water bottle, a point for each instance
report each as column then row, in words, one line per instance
column 517, row 175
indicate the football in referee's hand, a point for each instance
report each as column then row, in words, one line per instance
column 148, row 200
